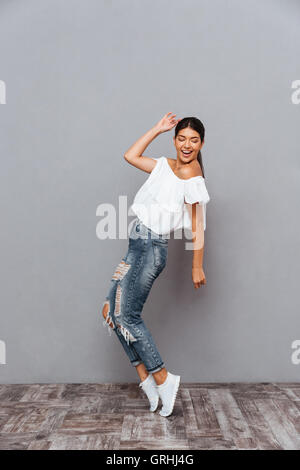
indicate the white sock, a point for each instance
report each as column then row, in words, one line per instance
column 150, row 388
column 167, row 392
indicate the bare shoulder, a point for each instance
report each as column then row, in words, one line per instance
column 191, row 170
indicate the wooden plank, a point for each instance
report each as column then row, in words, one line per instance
column 199, row 414
column 231, row 420
column 259, row 427
column 280, row 424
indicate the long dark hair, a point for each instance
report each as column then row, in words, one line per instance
column 197, row 125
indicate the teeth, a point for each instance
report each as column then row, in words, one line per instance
column 186, row 152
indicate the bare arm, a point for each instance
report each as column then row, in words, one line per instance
column 198, row 240
column 134, row 153
column 198, row 234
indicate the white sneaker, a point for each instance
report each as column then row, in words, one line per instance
column 167, row 392
column 150, row 388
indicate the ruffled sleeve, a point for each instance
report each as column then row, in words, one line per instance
column 154, row 175
column 195, row 191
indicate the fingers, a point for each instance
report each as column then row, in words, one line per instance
column 171, row 117
column 200, row 283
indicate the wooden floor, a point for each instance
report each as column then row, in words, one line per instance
column 116, row 416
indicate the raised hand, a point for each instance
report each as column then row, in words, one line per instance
column 167, row 122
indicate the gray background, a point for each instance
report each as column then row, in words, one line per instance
column 84, row 80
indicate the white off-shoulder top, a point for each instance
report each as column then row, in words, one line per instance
column 160, row 202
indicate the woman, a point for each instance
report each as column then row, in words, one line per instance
column 174, row 196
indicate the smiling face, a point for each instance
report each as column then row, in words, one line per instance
column 188, row 144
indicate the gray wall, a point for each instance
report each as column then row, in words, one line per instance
column 85, row 79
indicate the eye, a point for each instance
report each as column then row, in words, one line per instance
column 195, row 140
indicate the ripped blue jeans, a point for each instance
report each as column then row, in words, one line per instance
column 130, row 286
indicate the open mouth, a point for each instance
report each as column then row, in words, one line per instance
column 186, row 154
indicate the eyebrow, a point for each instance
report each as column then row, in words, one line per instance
column 195, row 137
